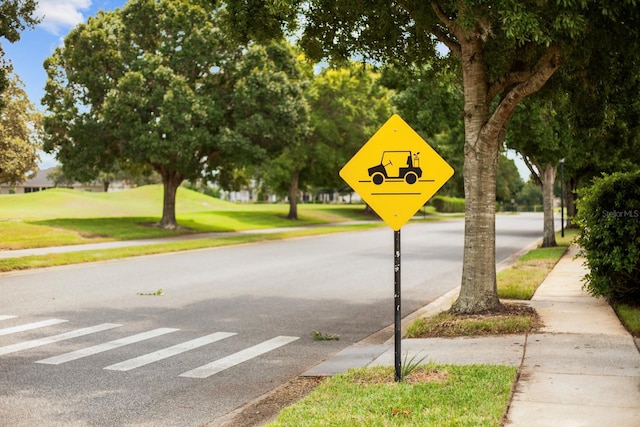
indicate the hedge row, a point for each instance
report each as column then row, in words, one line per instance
column 444, row 204
column 609, row 220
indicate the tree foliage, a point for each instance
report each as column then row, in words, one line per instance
column 604, row 119
column 346, row 106
column 541, row 132
column 529, row 195
column 149, row 84
column 20, row 129
column 270, row 109
column 508, row 181
column 431, row 101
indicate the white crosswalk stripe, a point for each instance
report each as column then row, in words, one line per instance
column 30, row 326
column 56, row 338
column 146, row 359
column 78, row 354
column 239, row 357
column 203, row 371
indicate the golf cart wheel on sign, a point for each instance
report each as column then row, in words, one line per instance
column 377, row 178
column 411, row 178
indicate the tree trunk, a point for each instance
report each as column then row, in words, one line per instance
column 105, row 185
column 478, row 290
column 485, row 130
column 293, row 195
column 548, row 178
column 545, row 177
column 571, row 192
column 171, row 181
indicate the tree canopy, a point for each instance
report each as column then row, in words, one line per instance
column 20, row 128
column 504, row 51
column 348, row 104
column 270, row 107
column 540, row 131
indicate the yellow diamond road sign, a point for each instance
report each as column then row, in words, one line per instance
column 396, row 172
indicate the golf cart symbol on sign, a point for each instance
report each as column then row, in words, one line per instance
column 397, row 166
column 396, row 172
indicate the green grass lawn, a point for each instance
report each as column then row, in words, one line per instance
column 630, row 318
column 432, row 395
column 145, row 201
column 64, row 217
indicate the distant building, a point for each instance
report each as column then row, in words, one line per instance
column 42, row 182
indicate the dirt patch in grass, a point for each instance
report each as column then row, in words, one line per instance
column 426, row 376
column 259, row 412
column 509, row 311
column 512, row 319
column 379, row 375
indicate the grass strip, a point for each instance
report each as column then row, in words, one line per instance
column 433, row 395
column 60, row 217
column 630, row 318
column 67, row 231
column 24, row 235
column 521, row 280
column 78, row 257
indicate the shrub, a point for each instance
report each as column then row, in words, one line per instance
column 444, row 204
column 609, row 220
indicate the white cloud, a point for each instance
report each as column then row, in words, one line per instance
column 61, row 14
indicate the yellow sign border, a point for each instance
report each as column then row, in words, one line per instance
column 396, row 172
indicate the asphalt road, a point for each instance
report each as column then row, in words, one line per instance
column 87, row 345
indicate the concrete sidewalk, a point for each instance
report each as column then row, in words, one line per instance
column 581, row 369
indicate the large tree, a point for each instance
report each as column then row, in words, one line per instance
column 506, row 51
column 148, row 84
column 15, row 17
column 20, row 128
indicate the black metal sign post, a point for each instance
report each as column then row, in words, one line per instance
column 397, row 334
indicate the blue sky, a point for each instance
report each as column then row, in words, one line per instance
column 59, row 17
